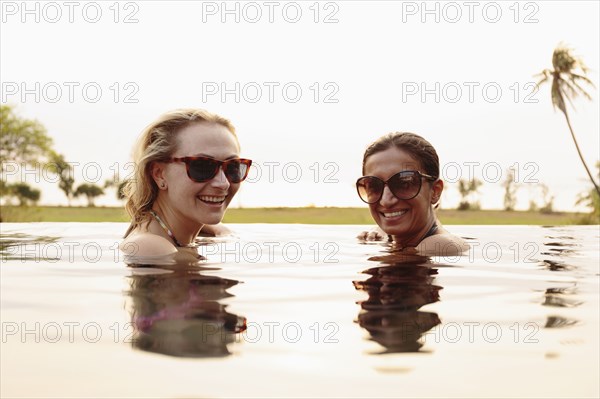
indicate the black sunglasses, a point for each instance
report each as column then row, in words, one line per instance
column 404, row 185
column 202, row 169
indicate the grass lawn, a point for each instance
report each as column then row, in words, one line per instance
column 292, row 215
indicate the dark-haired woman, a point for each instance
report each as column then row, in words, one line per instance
column 401, row 183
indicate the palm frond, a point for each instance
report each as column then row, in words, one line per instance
column 545, row 75
column 557, row 97
column 574, row 76
column 567, row 81
column 569, row 89
column 581, row 90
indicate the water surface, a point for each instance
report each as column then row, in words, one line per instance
column 299, row 310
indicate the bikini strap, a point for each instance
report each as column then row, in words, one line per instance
column 431, row 231
column 165, row 228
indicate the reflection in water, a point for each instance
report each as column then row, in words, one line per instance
column 19, row 246
column 559, row 322
column 556, row 297
column 177, row 312
column 558, row 246
column 397, row 290
column 555, row 266
column 561, row 297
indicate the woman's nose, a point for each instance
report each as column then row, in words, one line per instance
column 387, row 198
column 220, row 180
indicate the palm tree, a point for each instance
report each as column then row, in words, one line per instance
column 565, row 84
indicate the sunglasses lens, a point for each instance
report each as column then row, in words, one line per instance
column 405, row 185
column 370, row 189
column 201, row 170
column 236, row 170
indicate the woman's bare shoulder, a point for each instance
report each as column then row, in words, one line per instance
column 146, row 244
column 443, row 244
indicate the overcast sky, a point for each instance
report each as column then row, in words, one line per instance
column 309, row 85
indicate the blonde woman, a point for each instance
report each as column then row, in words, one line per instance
column 188, row 169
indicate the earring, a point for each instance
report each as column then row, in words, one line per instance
column 162, row 184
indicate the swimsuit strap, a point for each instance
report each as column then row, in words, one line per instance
column 165, row 228
column 431, row 231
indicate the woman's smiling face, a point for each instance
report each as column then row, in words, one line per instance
column 205, row 202
column 406, row 220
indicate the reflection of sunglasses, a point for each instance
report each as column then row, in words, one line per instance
column 202, row 169
column 404, row 185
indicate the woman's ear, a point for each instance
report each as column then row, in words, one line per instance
column 436, row 191
column 157, row 170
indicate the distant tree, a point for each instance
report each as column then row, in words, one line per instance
column 22, row 141
column 568, row 71
column 121, row 190
column 467, row 189
column 547, row 200
column 510, row 191
column 591, row 199
column 533, row 206
column 4, row 188
column 24, row 193
column 64, row 171
column 118, row 185
column 90, row 191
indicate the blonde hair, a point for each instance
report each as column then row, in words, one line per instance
column 157, row 143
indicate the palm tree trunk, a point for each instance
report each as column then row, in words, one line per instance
column 579, row 152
